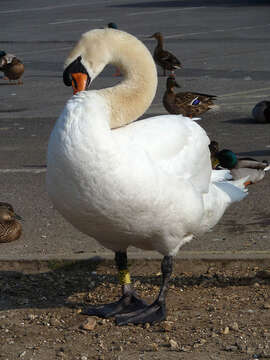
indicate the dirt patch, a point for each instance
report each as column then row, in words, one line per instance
column 216, row 310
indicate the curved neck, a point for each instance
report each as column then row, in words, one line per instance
column 132, row 97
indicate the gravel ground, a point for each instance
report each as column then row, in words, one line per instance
column 216, row 310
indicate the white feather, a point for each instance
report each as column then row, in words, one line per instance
column 221, row 175
column 147, row 184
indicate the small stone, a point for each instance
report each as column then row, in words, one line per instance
column 22, row 354
column 154, row 346
column 167, row 325
column 84, row 357
column 199, row 343
column 186, row 348
column 54, row 322
column 256, row 284
column 119, row 348
column 89, row 324
column 234, row 326
column 173, row 344
column 231, row 348
column 147, row 326
column 226, row 330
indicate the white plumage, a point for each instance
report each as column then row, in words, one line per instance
column 146, row 184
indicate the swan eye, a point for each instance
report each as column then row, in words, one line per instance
column 195, row 102
column 75, row 67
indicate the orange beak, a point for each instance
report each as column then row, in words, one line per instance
column 247, row 183
column 79, row 82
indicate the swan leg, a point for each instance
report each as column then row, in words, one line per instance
column 155, row 312
column 129, row 300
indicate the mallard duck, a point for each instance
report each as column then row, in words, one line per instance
column 12, row 67
column 164, row 58
column 261, row 112
column 239, row 167
column 126, row 182
column 10, row 228
column 186, row 103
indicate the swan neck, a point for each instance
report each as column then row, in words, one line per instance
column 131, row 98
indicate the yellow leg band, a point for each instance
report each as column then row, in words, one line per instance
column 124, row 277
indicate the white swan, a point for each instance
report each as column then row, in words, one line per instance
column 146, row 184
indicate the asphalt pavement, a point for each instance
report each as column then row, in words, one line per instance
column 224, row 48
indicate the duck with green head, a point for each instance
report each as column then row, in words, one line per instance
column 239, row 167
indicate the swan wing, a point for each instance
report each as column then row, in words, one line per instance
column 174, row 143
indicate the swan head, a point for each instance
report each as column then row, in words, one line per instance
column 87, row 59
column 130, row 98
column 76, row 75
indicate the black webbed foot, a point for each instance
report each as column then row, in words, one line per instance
column 126, row 304
column 155, row 312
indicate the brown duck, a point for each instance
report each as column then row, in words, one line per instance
column 163, row 57
column 186, row 103
column 10, row 228
column 11, row 66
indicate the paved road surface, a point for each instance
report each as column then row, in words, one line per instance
column 225, row 51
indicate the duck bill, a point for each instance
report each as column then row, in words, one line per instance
column 79, row 82
column 18, row 217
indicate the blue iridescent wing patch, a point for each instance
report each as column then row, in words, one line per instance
column 195, row 102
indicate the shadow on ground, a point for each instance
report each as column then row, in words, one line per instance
column 54, row 287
